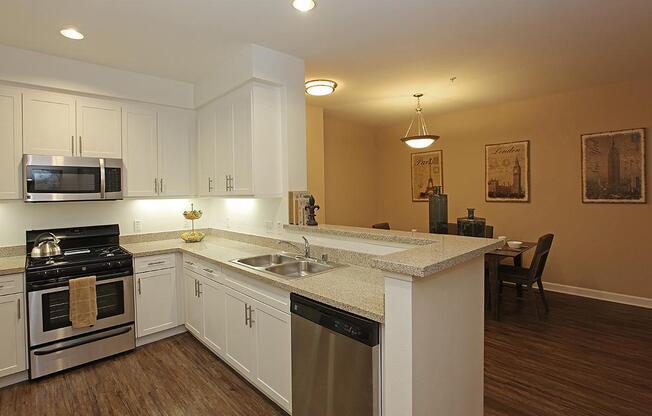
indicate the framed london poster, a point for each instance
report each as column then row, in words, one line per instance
column 427, row 173
column 613, row 167
column 507, row 172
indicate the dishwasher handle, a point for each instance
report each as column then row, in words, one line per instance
column 353, row 326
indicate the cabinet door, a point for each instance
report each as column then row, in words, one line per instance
column 49, row 124
column 242, row 142
column 140, row 156
column 206, row 150
column 224, row 146
column 99, row 128
column 12, row 327
column 240, row 345
column 273, row 353
column 176, row 130
column 193, row 307
column 214, row 315
column 156, row 301
column 11, row 144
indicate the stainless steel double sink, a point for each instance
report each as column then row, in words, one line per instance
column 287, row 265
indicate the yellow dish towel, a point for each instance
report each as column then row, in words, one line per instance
column 83, row 302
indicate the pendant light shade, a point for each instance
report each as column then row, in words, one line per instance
column 418, row 137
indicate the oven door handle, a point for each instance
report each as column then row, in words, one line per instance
column 122, row 276
column 85, row 340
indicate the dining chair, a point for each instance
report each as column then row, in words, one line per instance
column 522, row 276
column 381, row 226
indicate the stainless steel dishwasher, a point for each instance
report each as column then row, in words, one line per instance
column 335, row 361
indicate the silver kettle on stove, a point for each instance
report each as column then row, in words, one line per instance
column 46, row 245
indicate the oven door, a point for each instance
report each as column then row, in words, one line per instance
column 62, row 178
column 49, row 318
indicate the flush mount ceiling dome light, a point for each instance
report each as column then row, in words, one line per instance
column 320, row 87
column 71, row 33
column 304, row 5
column 419, row 138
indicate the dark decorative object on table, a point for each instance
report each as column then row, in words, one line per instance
column 311, row 208
column 471, row 226
column 438, row 212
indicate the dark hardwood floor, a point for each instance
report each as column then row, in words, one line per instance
column 588, row 358
column 176, row 376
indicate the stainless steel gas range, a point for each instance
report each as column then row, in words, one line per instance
column 54, row 345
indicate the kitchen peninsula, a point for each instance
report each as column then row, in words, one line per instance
column 427, row 293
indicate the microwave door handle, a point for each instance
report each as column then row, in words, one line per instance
column 102, row 180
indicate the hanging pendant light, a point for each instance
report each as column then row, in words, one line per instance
column 420, row 138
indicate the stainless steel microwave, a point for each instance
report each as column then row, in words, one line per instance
column 66, row 178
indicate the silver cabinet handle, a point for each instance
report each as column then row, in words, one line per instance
column 226, row 182
column 155, row 186
column 210, row 185
column 72, row 145
column 19, row 313
column 161, row 187
column 154, row 263
column 246, row 309
column 139, row 289
column 199, row 292
column 80, row 145
column 189, row 262
column 195, row 287
column 209, row 270
column 251, row 319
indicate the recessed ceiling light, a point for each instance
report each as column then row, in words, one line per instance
column 71, row 33
column 304, row 5
column 320, row 87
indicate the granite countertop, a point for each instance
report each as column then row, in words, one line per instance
column 12, row 264
column 356, row 289
column 433, row 252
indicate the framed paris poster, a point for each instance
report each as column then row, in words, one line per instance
column 427, row 173
column 507, row 172
column 613, row 167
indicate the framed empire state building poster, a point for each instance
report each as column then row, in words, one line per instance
column 613, row 167
column 507, row 172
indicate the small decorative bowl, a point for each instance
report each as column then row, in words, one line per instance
column 514, row 244
column 192, row 236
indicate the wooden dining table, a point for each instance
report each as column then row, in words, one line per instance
column 492, row 260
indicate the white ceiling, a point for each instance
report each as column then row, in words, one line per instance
column 379, row 51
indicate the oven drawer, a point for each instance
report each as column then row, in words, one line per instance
column 77, row 351
column 11, row 283
column 151, row 263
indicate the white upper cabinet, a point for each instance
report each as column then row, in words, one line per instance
column 176, row 146
column 65, row 125
column 206, row 143
column 99, row 128
column 240, row 143
column 140, row 151
column 158, row 146
column 49, row 124
column 11, row 143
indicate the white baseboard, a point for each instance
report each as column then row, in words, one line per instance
column 160, row 335
column 13, row 379
column 599, row 294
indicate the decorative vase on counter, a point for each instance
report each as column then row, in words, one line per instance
column 471, row 226
column 192, row 236
column 438, row 212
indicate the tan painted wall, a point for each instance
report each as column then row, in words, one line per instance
column 597, row 246
column 315, row 155
column 350, row 167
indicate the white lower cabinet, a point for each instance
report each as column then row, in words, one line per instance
column 156, row 301
column 213, row 299
column 192, row 302
column 240, row 345
column 273, row 353
column 244, row 329
column 12, row 327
